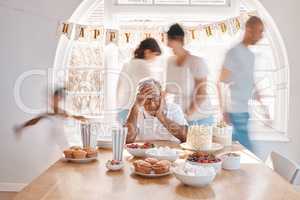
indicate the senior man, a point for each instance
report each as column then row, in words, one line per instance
column 151, row 118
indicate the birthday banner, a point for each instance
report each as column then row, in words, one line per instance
column 133, row 34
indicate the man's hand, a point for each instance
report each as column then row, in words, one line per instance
column 131, row 122
column 189, row 111
column 141, row 97
column 80, row 118
column 160, row 112
column 258, row 97
column 225, row 118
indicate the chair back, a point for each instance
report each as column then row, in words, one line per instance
column 286, row 168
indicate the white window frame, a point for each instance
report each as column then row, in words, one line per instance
column 189, row 3
column 114, row 11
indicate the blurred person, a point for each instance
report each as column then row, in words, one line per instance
column 187, row 80
column 144, row 64
column 238, row 73
column 56, row 111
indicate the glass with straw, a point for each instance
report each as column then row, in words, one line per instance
column 118, row 134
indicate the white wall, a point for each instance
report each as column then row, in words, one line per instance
column 286, row 16
column 28, row 41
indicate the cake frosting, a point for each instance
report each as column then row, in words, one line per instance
column 199, row 137
column 222, row 133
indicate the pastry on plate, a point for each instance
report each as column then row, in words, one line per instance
column 75, row 148
column 152, row 161
column 88, row 149
column 142, row 167
column 161, row 167
column 91, row 153
column 68, row 153
column 79, row 154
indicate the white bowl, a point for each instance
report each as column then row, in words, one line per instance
column 231, row 162
column 114, row 167
column 138, row 152
column 196, row 181
column 154, row 154
column 217, row 166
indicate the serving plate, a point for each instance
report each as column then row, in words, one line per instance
column 137, row 152
column 84, row 160
column 214, row 147
column 151, row 175
column 170, row 157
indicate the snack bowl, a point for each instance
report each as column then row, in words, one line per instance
column 114, row 165
column 196, row 179
column 163, row 153
column 139, row 149
column 231, row 161
column 217, row 166
column 205, row 160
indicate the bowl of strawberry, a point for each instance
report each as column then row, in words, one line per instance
column 139, row 149
column 114, row 165
column 205, row 159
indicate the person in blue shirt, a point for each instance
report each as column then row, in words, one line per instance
column 238, row 74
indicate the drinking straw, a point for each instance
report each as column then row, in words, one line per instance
column 124, row 135
column 114, row 143
column 118, row 143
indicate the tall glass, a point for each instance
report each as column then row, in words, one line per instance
column 118, row 134
column 88, row 135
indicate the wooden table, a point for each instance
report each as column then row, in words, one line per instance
column 92, row 181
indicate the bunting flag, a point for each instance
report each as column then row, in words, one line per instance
column 111, row 36
column 223, row 27
column 65, row 28
column 133, row 34
column 89, row 33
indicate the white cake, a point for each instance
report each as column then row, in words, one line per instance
column 199, row 137
column 222, row 134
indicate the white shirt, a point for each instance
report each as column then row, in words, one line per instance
column 150, row 128
column 181, row 83
column 240, row 62
column 132, row 73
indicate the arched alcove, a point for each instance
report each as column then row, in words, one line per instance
column 272, row 67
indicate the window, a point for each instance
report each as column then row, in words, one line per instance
column 209, row 2
column 174, row 2
column 134, row 1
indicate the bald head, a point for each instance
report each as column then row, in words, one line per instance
column 254, row 30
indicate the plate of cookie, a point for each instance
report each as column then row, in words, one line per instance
column 80, row 155
column 151, row 167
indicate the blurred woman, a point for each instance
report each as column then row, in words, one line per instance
column 144, row 64
column 187, row 80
